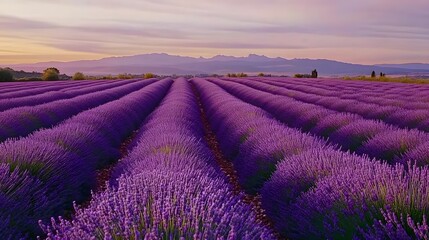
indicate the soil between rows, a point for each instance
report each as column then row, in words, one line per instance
column 228, row 168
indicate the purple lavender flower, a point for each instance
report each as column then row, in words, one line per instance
column 297, row 174
column 333, row 122
column 167, row 187
column 163, row 204
column 354, row 134
column 358, row 197
column 21, row 195
column 22, row 121
column 418, row 156
column 391, row 144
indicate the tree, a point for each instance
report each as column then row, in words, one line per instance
column 314, row 73
column 261, row 75
column 54, row 69
column 373, row 74
column 51, row 74
column 5, row 75
column 79, row 76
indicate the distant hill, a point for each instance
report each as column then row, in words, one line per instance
column 161, row 63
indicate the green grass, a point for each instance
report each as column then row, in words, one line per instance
column 389, row 79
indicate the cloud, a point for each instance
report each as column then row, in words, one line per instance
column 9, row 51
column 239, row 45
column 124, row 27
column 16, row 23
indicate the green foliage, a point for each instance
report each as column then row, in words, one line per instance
column 300, row 75
column 51, row 74
column 125, row 76
column 373, row 74
column 108, row 77
column 29, row 79
column 149, row 75
column 5, row 75
column 313, row 74
column 79, row 76
column 234, row 75
column 54, row 69
column 264, row 75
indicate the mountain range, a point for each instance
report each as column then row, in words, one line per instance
column 165, row 64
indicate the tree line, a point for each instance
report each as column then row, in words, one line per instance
column 53, row 74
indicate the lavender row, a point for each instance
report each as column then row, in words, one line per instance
column 168, row 186
column 37, row 90
column 22, row 121
column 6, row 87
column 412, row 99
column 70, row 86
column 317, row 192
column 392, row 115
column 56, row 95
column 415, row 92
column 350, row 131
column 53, row 167
column 249, row 136
column 405, row 113
column 325, row 194
column 95, row 83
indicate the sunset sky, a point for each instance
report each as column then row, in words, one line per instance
column 358, row 31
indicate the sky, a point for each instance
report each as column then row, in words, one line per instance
column 357, row 31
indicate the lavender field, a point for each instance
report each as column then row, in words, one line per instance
column 214, row 158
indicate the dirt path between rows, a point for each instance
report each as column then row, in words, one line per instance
column 228, row 168
column 104, row 174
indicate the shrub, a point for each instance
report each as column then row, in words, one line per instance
column 108, row 77
column 51, row 74
column 234, row 75
column 79, row 76
column 261, row 75
column 27, row 79
column 5, row 75
column 300, row 75
column 125, row 76
column 149, row 75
